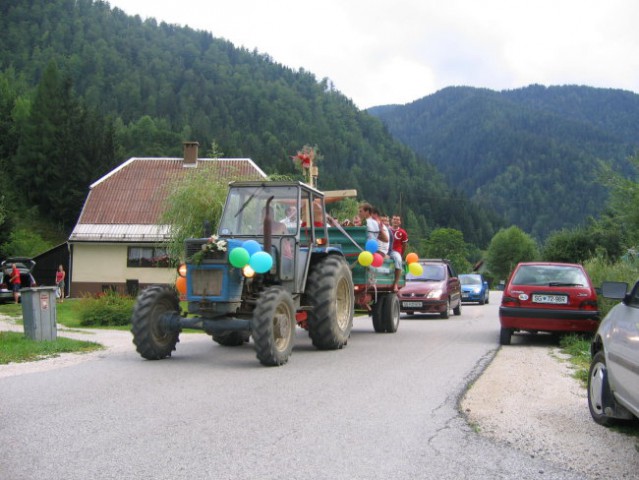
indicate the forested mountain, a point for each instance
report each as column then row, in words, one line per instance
column 532, row 154
column 84, row 87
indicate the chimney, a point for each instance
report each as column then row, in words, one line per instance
column 190, row 154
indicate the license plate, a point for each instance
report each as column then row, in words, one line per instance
column 465, row 295
column 411, row 304
column 555, row 299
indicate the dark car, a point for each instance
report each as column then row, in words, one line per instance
column 548, row 297
column 436, row 290
column 25, row 266
column 474, row 288
column 613, row 380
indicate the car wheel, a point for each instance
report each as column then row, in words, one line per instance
column 446, row 312
column 457, row 309
column 505, row 335
column 599, row 394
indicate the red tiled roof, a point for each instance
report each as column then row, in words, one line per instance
column 134, row 193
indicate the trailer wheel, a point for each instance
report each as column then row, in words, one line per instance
column 273, row 327
column 378, row 315
column 330, row 293
column 151, row 339
column 231, row 339
column 390, row 317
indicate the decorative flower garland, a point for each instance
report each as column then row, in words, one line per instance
column 213, row 244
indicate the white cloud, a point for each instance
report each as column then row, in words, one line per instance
column 379, row 52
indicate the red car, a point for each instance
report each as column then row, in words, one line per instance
column 436, row 290
column 548, row 297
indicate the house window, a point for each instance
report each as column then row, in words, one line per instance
column 147, row 257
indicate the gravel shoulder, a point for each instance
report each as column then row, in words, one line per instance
column 525, row 398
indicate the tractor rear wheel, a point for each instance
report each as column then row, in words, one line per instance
column 150, row 337
column 330, row 293
column 273, row 326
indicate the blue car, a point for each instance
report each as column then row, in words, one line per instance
column 474, row 288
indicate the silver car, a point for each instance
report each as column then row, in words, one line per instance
column 613, row 380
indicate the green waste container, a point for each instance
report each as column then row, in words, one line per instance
column 39, row 313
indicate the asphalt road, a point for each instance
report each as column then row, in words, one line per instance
column 384, row 407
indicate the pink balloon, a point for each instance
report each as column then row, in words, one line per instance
column 377, row 260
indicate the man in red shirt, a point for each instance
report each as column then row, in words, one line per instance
column 15, row 282
column 399, row 240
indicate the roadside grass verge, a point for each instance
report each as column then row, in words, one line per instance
column 578, row 347
column 15, row 347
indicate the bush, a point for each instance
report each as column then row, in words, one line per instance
column 600, row 269
column 107, row 309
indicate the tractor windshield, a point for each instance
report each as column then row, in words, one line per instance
column 245, row 209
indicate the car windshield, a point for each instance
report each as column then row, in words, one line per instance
column 550, row 275
column 433, row 273
column 467, row 279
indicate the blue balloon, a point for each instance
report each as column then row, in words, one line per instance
column 252, row 247
column 261, row 262
column 371, row 245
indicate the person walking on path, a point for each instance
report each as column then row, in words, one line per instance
column 15, row 282
column 60, row 275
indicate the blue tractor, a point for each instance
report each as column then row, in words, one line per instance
column 269, row 268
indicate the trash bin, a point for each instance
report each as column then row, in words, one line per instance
column 39, row 313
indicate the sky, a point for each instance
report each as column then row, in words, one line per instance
column 378, row 52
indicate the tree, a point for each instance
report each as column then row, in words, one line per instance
column 449, row 243
column 63, row 147
column 624, row 200
column 196, row 198
column 507, row 248
column 571, row 246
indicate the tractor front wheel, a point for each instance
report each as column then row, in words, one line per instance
column 273, row 327
column 150, row 337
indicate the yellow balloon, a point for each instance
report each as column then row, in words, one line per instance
column 416, row 269
column 365, row 258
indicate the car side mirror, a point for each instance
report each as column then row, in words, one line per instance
column 614, row 290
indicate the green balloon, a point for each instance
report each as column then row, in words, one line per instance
column 239, row 257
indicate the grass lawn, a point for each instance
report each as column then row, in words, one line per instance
column 15, row 347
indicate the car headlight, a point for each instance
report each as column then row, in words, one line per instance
column 435, row 294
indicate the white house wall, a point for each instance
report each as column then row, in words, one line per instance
column 106, row 263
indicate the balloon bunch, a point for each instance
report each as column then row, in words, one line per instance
column 251, row 254
column 369, row 256
column 414, row 267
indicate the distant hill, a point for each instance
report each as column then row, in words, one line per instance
column 531, row 154
column 155, row 85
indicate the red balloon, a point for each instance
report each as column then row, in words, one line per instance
column 377, row 260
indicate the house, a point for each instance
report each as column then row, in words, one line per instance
column 117, row 242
